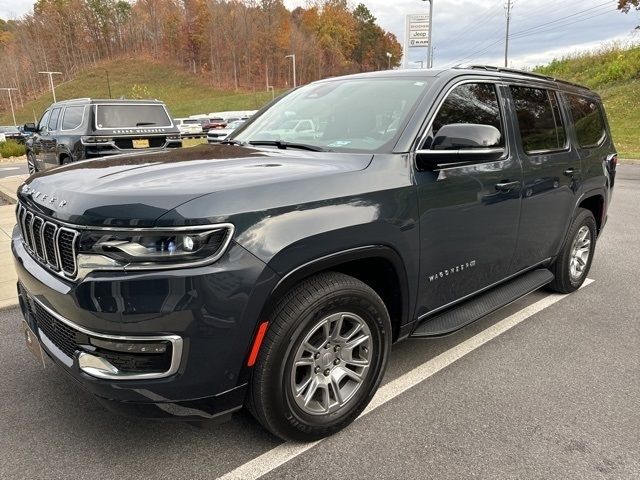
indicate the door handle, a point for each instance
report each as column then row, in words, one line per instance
column 570, row 172
column 507, row 186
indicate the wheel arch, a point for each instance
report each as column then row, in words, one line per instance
column 595, row 203
column 379, row 266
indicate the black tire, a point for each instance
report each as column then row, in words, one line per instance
column 31, row 163
column 271, row 398
column 564, row 282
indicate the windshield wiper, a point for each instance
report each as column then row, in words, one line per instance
column 284, row 145
column 231, row 142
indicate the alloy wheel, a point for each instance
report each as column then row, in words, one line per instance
column 331, row 363
column 580, row 252
column 31, row 164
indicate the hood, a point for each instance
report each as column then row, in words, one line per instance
column 135, row 190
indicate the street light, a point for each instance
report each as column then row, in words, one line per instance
column 53, row 89
column 430, row 57
column 13, row 114
column 293, row 59
column 389, row 56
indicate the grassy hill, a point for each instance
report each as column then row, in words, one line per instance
column 185, row 94
column 614, row 73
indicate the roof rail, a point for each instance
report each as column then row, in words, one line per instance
column 74, row 100
column 492, row 68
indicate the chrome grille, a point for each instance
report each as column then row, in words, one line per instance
column 48, row 242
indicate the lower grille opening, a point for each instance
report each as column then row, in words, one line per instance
column 125, row 357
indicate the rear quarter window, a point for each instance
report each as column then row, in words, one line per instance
column 588, row 121
column 72, row 117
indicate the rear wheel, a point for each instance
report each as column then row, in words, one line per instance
column 322, row 359
column 31, row 163
column 574, row 261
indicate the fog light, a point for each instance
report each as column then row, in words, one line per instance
column 129, row 347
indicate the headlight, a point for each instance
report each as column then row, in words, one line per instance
column 152, row 248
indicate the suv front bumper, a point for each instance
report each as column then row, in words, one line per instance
column 207, row 314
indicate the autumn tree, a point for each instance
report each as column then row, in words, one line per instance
column 232, row 43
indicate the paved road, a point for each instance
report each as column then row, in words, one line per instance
column 556, row 396
column 10, row 169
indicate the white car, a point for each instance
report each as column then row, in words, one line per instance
column 217, row 135
column 188, row 126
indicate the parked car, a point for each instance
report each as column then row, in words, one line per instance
column 11, row 133
column 188, row 126
column 277, row 274
column 291, row 129
column 216, row 123
column 74, row 130
column 218, row 135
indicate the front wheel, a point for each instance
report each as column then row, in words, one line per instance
column 31, row 163
column 322, row 359
column 574, row 261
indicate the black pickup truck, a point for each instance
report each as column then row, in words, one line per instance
column 276, row 270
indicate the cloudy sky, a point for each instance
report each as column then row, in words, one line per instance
column 472, row 31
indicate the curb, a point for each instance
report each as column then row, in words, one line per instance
column 629, row 161
column 8, row 195
column 9, row 303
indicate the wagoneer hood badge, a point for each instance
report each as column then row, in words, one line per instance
column 44, row 197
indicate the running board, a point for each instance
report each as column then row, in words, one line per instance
column 482, row 305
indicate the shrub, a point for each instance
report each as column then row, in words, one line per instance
column 11, row 148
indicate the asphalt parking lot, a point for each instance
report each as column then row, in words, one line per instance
column 555, row 396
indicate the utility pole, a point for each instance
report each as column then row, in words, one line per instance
column 293, row 59
column 108, row 83
column 53, row 88
column 430, row 59
column 13, row 114
column 506, row 38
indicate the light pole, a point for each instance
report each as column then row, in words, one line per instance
column 293, row 59
column 53, row 88
column 389, row 57
column 430, row 51
column 13, row 113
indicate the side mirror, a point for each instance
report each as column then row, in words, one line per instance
column 30, row 127
column 461, row 144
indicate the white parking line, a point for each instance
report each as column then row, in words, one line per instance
column 284, row 452
column 4, row 169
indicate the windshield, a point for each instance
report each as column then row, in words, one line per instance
column 128, row 116
column 344, row 115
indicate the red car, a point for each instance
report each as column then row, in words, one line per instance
column 212, row 123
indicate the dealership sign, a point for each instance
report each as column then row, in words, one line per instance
column 417, row 31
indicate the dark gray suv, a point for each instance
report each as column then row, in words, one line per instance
column 82, row 128
column 275, row 270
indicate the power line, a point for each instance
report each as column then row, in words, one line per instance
column 575, row 14
column 583, row 15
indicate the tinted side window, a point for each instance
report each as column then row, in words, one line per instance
column 72, row 118
column 475, row 103
column 44, row 120
column 588, row 121
column 539, row 119
column 53, row 119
